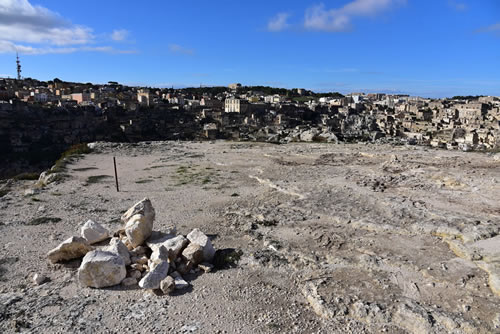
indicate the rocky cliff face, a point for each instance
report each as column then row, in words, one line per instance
column 32, row 138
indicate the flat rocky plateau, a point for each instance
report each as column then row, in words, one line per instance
column 334, row 239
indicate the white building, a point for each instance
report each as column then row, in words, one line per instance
column 143, row 97
column 274, row 99
column 235, row 105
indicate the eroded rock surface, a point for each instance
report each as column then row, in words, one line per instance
column 310, row 238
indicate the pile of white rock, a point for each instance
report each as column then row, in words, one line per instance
column 137, row 254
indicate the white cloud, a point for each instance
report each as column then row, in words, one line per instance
column 30, row 29
column 494, row 28
column 9, row 47
column 176, row 48
column 279, row 22
column 119, row 35
column 460, row 6
column 340, row 19
column 22, row 22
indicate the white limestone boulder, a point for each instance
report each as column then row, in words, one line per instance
column 199, row 238
column 143, row 207
column 156, row 274
column 94, row 232
column 172, row 244
column 100, row 269
column 118, row 247
column 72, row 248
column 138, row 229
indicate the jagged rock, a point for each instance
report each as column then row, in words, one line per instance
column 101, row 269
column 159, row 254
column 143, row 207
column 129, row 281
column 118, row 247
column 180, row 283
column 39, row 279
column 167, row 285
column 139, row 223
column 138, row 229
column 72, row 248
column 199, row 238
column 94, row 232
column 193, row 253
column 174, row 245
column 154, row 277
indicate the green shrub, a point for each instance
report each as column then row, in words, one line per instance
column 73, row 152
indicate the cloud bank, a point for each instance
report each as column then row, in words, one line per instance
column 32, row 29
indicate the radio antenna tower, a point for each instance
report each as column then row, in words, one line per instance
column 18, row 62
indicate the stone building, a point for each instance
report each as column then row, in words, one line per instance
column 235, row 105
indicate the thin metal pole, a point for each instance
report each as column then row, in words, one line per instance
column 116, row 175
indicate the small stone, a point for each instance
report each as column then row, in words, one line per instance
column 94, row 232
column 193, row 253
column 101, row 269
column 118, row 247
column 154, row 277
column 184, row 267
column 199, row 238
column 140, row 260
column 39, row 279
column 129, row 281
column 138, row 251
column 167, row 285
column 206, row 267
column 180, row 283
column 72, row 248
column 175, row 274
column 135, row 274
column 30, row 192
column 137, row 266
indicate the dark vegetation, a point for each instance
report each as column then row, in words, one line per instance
column 67, row 156
column 43, row 220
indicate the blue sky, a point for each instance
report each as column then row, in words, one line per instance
column 421, row 47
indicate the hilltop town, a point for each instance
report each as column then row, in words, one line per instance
column 36, row 115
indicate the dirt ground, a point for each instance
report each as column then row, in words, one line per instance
column 335, row 239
